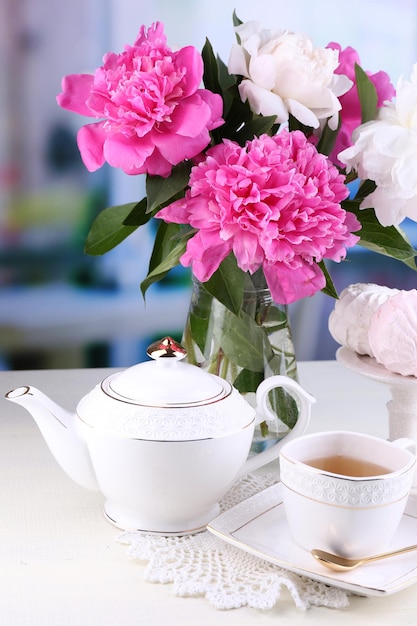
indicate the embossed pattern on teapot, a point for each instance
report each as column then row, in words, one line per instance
column 162, row 441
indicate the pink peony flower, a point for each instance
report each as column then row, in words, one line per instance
column 152, row 113
column 351, row 108
column 274, row 203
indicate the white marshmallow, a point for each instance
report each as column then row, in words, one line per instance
column 350, row 319
column 393, row 333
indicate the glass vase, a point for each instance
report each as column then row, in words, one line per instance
column 244, row 349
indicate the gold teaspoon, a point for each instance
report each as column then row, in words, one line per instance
column 342, row 564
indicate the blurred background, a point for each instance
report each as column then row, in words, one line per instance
column 61, row 308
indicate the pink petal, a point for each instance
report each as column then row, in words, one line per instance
column 155, row 34
column 190, row 58
column 248, row 252
column 215, row 102
column 90, row 140
column 176, row 212
column 76, row 89
column 175, row 149
column 156, row 165
column 190, row 116
column 204, row 253
column 289, row 284
column 127, row 154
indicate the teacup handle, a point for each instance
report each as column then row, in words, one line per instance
column 305, row 401
column 407, row 444
column 411, row 446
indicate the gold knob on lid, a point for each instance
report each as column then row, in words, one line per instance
column 166, row 347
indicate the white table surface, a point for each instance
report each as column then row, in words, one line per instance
column 61, row 563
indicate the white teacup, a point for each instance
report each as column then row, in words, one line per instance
column 345, row 492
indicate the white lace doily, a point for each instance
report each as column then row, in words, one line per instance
column 229, row 578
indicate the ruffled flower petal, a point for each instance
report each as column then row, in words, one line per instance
column 262, row 101
column 385, row 151
column 302, row 114
column 289, row 284
column 76, row 90
column 287, row 65
column 130, row 155
column 275, row 203
column 205, row 253
column 90, row 140
column 149, row 99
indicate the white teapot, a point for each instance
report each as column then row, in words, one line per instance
column 162, row 441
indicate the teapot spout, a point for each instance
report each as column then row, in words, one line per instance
column 58, row 427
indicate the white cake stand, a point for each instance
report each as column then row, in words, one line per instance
column 402, row 408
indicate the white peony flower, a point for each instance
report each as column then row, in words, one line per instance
column 385, row 151
column 284, row 73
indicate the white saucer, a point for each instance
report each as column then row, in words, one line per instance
column 258, row 526
column 370, row 368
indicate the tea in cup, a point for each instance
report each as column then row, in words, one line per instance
column 345, row 492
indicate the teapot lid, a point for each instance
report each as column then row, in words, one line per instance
column 166, row 381
column 165, row 399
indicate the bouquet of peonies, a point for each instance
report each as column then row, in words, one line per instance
column 248, row 169
column 251, row 172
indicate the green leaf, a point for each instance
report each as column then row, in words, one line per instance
column 243, row 341
column 294, row 124
column 228, row 86
column 247, row 381
column 275, row 319
column 236, row 114
column 211, row 70
column 284, row 406
column 366, row 187
column 160, row 190
column 328, row 138
column 198, row 327
column 226, row 80
column 255, row 127
column 368, row 96
column 109, row 229
column 217, row 78
column 236, row 20
column 391, row 247
column 247, row 345
column 226, row 284
column 329, row 289
column 168, row 247
column 387, row 240
column 138, row 215
column 283, row 362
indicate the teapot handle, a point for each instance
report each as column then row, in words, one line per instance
column 306, row 401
